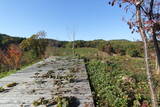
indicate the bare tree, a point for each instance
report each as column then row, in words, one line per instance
column 73, row 43
column 72, row 34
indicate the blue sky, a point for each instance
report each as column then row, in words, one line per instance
column 90, row 19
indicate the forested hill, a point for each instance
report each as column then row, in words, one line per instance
column 5, row 40
column 112, row 46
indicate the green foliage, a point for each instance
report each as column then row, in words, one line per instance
column 28, row 57
column 133, row 52
column 122, row 47
column 41, row 101
column 58, row 101
column 36, row 42
column 62, row 102
column 117, row 86
column 67, row 101
column 2, row 89
column 87, row 52
column 6, row 73
column 6, row 40
column 107, row 47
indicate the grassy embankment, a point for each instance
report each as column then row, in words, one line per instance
column 121, row 82
column 7, row 73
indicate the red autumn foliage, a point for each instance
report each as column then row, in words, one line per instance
column 150, row 13
column 1, row 56
column 12, row 56
column 145, row 104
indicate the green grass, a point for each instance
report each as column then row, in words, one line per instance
column 121, row 82
column 87, row 52
column 7, row 73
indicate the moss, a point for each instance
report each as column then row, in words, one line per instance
column 50, row 72
column 41, row 101
column 12, row 84
column 2, row 89
column 74, row 70
column 62, row 102
column 67, row 101
column 61, row 69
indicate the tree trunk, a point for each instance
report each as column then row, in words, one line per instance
column 144, row 38
column 152, row 92
column 157, row 51
column 156, row 63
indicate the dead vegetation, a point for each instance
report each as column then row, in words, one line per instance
column 12, row 84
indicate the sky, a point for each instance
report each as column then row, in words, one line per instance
column 89, row 19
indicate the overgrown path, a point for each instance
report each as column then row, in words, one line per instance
column 49, row 83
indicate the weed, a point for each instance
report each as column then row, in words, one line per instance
column 74, row 69
column 41, row 101
column 61, row 69
column 2, row 89
column 67, row 101
column 12, row 84
column 117, row 84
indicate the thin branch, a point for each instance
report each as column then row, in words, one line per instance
column 151, row 9
column 144, row 10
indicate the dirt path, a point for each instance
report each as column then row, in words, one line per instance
column 54, row 81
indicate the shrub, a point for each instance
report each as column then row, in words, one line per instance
column 28, row 57
column 36, row 42
column 133, row 53
column 107, row 47
column 120, row 51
